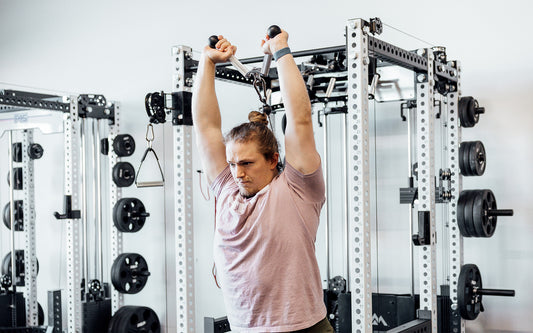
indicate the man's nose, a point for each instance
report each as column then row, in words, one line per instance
column 239, row 171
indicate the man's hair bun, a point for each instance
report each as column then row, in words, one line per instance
column 258, row 117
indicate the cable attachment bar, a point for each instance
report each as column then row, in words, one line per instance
column 149, row 139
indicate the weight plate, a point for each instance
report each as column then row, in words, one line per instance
column 124, row 145
column 129, row 273
column 461, row 213
column 35, row 151
column 469, row 303
column 129, row 215
column 40, row 315
column 464, row 158
column 284, row 123
column 133, row 319
column 477, row 159
column 485, row 225
column 123, row 174
column 469, row 208
column 467, row 111
column 19, row 217
column 19, row 263
column 17, row 185
column 17, row 152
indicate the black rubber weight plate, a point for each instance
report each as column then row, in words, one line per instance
column 133, row 319
column 461, row 214
column 468, row 309
column 469, row 217
column 477, row 158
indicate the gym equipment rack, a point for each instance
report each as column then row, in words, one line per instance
column 433, row 75
column 27, row 111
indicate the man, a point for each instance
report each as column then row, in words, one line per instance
column 266, row 219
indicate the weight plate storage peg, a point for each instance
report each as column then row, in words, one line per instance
column 133, row 319
column 472, row 158
column 469, row 111
column 19, row 264
column 123, row 174
column 477, row 213
column 129, row 215
column 19, row 217
column 124, row 145
column 470, row 292
column 129, row 273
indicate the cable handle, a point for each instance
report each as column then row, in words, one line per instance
column 213, row 40
column 272, row 32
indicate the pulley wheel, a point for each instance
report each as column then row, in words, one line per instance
column 484, row 224
column 123, row 174
column 129, row 273
column 19, row 264
column 133, row 319
column 129, row 215
column 124, row 145
column 19, row 216
column 469, row 303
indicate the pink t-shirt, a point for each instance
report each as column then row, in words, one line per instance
column 264, row 251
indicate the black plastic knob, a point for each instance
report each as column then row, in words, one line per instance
column 213, row 40
column 273, row 31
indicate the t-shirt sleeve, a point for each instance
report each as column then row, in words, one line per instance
column 309, row 187
column 221, row 181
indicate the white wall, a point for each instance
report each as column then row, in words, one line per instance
column 122, row 49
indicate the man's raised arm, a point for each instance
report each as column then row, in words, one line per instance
column 300, row 149
column 206, row 112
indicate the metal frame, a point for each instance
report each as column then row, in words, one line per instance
column 358, row 171
column 30, row 274
column 425, row 146
column 115, row 193
column 182, row 217
column 432, row 76
column 455, row 238
column 72, row 188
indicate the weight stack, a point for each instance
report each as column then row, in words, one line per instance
column 6, row 310
column 96, row 316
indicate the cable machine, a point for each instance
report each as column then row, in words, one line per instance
column 347, row 74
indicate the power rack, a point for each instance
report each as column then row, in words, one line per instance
column 349, row 74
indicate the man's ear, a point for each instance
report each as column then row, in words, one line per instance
column 274, row 161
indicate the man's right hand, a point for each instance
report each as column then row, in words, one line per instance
column 222, row 52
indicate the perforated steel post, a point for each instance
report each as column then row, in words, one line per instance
column 30, row 255
column 358, row 177
column 183, row 204
column 425, row 153
column 72, row 188
column 455, row 246
column 115, row 193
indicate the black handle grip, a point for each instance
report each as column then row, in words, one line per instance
column 273, row 31
column 213, row 40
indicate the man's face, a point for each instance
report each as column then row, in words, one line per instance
column 249, row 168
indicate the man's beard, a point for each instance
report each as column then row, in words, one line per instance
column 246, row 194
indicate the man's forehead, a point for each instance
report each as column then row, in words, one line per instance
column 242, row 150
